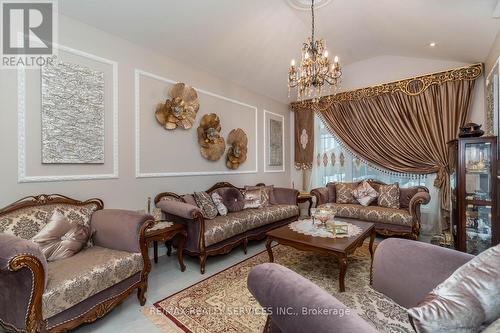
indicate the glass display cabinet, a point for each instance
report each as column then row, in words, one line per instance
column 473, row 184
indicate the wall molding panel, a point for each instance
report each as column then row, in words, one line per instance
column 21, row 131
column 140, row 174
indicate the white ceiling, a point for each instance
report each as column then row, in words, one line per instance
column 251, row 42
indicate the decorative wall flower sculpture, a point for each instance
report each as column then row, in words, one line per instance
column 212, row 145
column 180, row 110
column 237, row 152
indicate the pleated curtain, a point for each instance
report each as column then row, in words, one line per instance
column 403, row 132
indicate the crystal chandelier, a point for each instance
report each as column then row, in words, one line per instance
column 314, row 70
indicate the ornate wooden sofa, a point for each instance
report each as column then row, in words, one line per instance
column 41, row 296
column 223, row 233
column 404, row 221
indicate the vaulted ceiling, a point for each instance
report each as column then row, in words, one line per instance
column 251, row 42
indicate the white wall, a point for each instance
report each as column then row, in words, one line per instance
column 385, row 69
column 127, row 191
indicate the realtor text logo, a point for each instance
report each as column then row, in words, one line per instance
column 28, row 33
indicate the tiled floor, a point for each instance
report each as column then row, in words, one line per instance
column 165, row 279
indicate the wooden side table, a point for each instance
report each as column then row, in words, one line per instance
column 305, row 197
column 164, row 231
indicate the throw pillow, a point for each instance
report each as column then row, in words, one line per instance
column 252, row 199
column 205, row 203
column 332, row 192
column 266, row 192
column 61, row 239
column 232, row 198
column 217, row 199
column 365, row 194
column 466, row 301
column 389, row 196
column 343, row 193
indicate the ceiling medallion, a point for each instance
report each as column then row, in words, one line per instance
column 315, row 71
column 306, row 4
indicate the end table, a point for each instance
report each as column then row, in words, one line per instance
column 164, row 231
column 305, row 197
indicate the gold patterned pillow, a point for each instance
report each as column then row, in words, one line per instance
column 389, row 196
column 266, row 194
column 365, row 194
column 253, row 198
column 343, row 193
column 205, row 203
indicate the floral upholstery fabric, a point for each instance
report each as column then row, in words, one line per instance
column 372, row 213
column 85, row 274
column 224, row 227
column 389, row 196
column 207, row 206
column 343, row 193
column 27, row 222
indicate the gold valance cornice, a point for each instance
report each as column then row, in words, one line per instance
column 411, row 86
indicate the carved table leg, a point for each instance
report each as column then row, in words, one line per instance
column 168, row 245
column 155, row 251
column 269, row 249
column 245, row 245
column 372, row 240
column 180, row 250
column 203, row 261
column 343, row 268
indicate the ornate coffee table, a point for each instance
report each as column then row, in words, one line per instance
column 338, row 247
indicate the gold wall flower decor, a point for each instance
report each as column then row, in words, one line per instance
column 212, row 145
column 180, row 110
column 237, row 152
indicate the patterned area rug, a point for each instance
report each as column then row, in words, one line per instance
column 222, row 302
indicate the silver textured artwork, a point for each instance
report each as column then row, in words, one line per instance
column 275, row 142
column 72, row 114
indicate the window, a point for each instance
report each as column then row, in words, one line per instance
column 333, row 163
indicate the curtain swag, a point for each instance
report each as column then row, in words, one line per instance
column 402, row 126
column 411, row 86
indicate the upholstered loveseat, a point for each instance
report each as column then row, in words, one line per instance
column 403, row 221
column 41, row 296
column 209, row 237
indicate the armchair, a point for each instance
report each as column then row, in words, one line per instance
column 403, row 270
column 61, row 295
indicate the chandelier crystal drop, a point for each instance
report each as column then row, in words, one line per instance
column 315, row 73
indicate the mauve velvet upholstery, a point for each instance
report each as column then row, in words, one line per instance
column 276, row 287
column 232, row 198
column 118, row 229
column 406, row 270
column 405, row 196
column 15, row 287
column 285, row 196
column 178, row 208
column 322, row 195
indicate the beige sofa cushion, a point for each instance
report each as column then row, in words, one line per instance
column 85, row 274
column 224, row 227
column 27, row 222
column 372, row 213
column 61, row 239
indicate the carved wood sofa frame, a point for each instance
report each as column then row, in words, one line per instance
column 415, row 229
column 34, row 319
column 216, row 249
